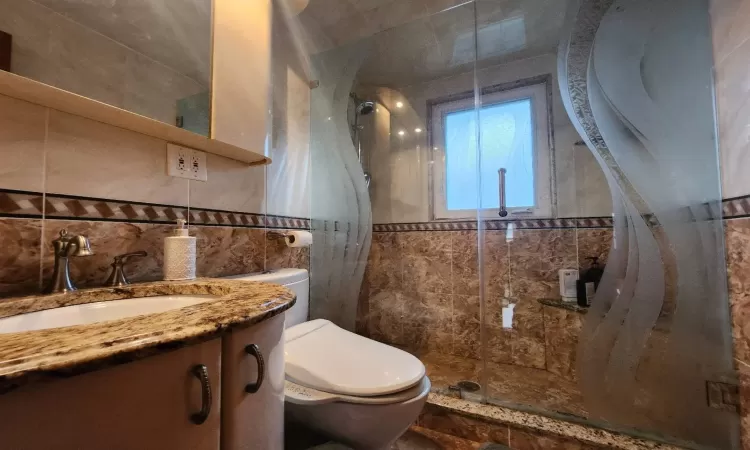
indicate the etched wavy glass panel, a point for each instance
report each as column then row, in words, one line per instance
column 340, row 204
column 636, row 77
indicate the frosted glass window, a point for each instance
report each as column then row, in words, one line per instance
column 510, row 130
column 507, row 141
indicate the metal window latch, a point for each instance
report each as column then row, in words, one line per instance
column 501, row 175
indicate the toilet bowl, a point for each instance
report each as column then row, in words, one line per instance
column 355, row 390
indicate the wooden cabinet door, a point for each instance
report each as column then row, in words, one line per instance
column 253, row 420
column 142, row 405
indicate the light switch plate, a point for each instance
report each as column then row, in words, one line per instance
column 184, row 162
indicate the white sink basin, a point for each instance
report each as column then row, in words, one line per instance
column 98, row 312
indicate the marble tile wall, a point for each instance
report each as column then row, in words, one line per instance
column 731, row 45
column 737, row 236
column 422, row 290
column 26, row 263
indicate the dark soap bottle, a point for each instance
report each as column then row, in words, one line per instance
column 588, row 283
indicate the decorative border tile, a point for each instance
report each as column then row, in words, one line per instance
column 27, row 204
column 23, row 204
column 731, row 208
column 736, row 207
column 573, row 222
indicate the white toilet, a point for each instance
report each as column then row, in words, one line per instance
column 357, row 391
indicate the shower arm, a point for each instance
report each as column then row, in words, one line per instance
column 501, row 175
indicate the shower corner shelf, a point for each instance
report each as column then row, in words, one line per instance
column 558, row 303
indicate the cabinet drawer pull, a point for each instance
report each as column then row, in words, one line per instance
column 253, row 350
column 200, row 371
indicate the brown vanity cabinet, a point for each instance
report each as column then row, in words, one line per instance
column 252, row 412
column 146, row 404
column 161, row 402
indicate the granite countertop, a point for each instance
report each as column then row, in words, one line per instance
column 63, row 352
column 559, row 303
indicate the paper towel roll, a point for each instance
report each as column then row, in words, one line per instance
column 298, row 238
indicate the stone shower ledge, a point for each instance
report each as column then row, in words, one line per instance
column 558, row 303
column 56, row 353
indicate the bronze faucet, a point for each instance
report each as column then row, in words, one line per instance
column 66, row 246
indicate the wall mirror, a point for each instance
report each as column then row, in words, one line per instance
column 191, row 72
column 152, row 58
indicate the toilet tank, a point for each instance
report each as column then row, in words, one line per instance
column 297, row 280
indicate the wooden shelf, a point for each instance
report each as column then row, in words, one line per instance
column 42, row 94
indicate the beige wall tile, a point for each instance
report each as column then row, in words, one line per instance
column 92, row 159
column 231, row 186
column 731, row 44
column 729, row 26
column 153, row 89
column 56, row 49
column 175, row 32
column 733, row 105
column 87, row 63
column 289, row 173
column 22, row 130
column 30, row 25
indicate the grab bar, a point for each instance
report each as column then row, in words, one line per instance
column 501, row 174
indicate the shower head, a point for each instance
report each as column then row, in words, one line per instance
column 365, row 108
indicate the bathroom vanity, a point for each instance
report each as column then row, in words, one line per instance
column 205, row 376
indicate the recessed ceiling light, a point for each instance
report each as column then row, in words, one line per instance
column 399, row 104
column 417, row 130
column 401, row 132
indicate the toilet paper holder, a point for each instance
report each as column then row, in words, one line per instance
column 272, row 234
column 293, row 238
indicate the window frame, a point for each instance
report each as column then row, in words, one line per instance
column 539, row 91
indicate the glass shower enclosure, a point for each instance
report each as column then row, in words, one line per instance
column 465, row 152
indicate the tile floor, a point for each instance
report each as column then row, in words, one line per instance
column 509, row 385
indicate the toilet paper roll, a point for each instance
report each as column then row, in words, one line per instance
column 298, row 238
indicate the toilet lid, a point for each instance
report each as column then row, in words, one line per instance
column 327, row 358
column 301, row 395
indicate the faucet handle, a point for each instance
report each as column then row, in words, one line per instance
column 117, row 276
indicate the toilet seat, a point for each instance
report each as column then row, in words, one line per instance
column 301, row 395
column 322, row 357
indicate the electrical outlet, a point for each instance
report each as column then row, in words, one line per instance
column 186, row 162
column 198, row 170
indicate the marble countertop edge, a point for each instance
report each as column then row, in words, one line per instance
column 543, row 424
column 57, row 353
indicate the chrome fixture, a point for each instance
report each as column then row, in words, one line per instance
column 117, row 276
column 363, row 108
column 65, row 247
column 501, row 174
